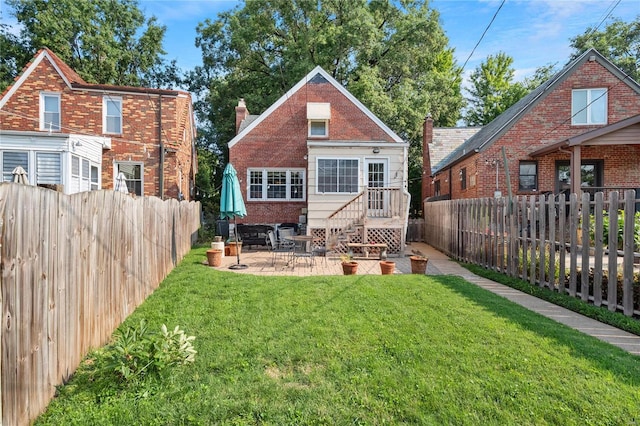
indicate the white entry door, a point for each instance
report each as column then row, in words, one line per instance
column 377, row 177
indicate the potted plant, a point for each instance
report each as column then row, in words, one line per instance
column 387, row 267
column 349, row 266
column 418, row 262
column 214, row 257
column 232, row 244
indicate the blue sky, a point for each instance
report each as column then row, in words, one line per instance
column 533, row 32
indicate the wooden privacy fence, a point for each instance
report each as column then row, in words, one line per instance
column 585, row 247
column 72, row 269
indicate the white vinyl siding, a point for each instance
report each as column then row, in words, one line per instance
column 589, row 106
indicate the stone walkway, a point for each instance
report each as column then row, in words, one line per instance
column 259, row 262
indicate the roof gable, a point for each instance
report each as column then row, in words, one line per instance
column 66, row 73
column 496, row 128
column 316, row 76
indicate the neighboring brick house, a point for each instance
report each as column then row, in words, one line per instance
column 78, row 136
column 319, row 155
column 580, row 121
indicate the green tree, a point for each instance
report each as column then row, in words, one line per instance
column 393, row 56
column 13, row 56
column 105, row 41
column 619, row 42
column 492, row 90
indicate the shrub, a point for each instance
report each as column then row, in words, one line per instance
column 137, row 353
column 605, row 230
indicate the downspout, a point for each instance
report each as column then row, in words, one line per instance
column 161, row 166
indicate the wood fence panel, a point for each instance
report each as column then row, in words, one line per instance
column 528, row 237
column 612, row 269
column 628, row 242
column 551, row 210
column 562, row 250
column 73, row 268
column 598, row 251
column 584, row 265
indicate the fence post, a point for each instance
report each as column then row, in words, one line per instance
column 627, row 238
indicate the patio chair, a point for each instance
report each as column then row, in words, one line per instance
column 283, row 250
column 283, row 233
column 329, row 247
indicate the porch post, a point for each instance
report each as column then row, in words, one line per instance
column 576, row 175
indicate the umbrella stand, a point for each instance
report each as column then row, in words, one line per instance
column 235, row 231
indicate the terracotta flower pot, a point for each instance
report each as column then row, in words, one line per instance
column 387, row 267
column 418, row 264
column 232, row 248
column 349, row 268
column 214, row 257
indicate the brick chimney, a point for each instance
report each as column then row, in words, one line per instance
column 241, row 113
column 427, row 138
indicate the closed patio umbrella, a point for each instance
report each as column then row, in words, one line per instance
column 232, row 204
column 20, row 175
column 121, row 184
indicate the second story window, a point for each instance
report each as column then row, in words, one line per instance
column 589, row 106
column 50, row 112
column 318, row 116
column 112, row 115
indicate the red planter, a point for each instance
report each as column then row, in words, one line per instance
column 214, row 257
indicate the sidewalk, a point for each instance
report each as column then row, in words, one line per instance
column 259, row 262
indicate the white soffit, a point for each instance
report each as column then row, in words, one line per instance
column 318, row 111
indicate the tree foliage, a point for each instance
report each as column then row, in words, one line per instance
column 393, row 56
column 619, row 42
column 493, row 90
column 105, row 41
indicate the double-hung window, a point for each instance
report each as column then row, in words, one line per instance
column 337, row 175
column 589, row 106
column 276, row 184
column 50, row 112
column 528, row 176
column 133, row 175
column 112, row 115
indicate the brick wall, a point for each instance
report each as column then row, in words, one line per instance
column 281, row 141
column 81, row 112
column 548, row 122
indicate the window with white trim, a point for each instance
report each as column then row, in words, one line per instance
column 588, row 106
column 337, row 175
column 95, row 178
column 48, row 168
column 133, row 175
column 11, row 160
column 318, row 128
column 276, row 184
column 50, row 112
column 112, row 115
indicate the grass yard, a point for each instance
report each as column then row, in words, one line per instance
column 339, row 350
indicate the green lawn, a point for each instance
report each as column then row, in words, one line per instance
column 402, row 349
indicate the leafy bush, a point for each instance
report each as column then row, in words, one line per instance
column 605, row 231
column 137, row 353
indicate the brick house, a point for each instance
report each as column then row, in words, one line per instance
column 318, row 155
column 79, row 136
column 582, row 121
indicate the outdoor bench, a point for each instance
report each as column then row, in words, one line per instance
column 253, row 235
column 364, row 248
